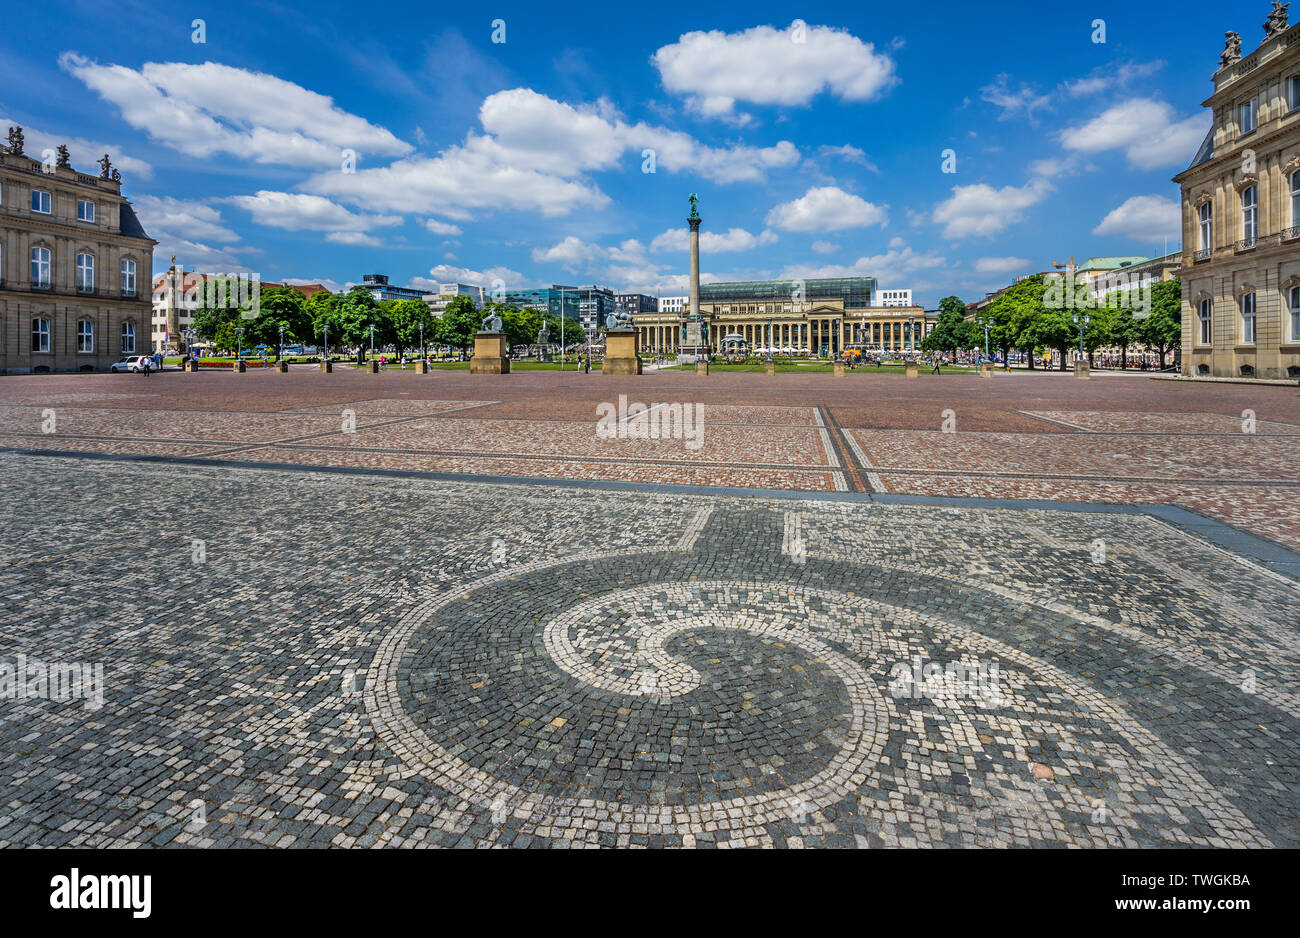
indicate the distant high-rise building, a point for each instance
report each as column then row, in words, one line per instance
column 381, row 289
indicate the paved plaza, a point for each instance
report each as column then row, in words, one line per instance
column 405, row 610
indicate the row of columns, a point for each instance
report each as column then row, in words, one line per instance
column 811, row 334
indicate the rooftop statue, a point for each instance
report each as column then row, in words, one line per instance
column 64, row 160
column 104, row 165
column 16, row 141
column 1277, row 20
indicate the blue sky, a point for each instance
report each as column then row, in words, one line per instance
column 817, row 150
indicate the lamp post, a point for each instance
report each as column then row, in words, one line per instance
column 239, row 345
column 1082, row 322
column 189, row 347
column 911, row 331
column 372, row 340
column 326, row 350
column 421, row 341
column 561, row 330
column 769, row 339
column 279, row 349
column 987, row 323
column 835, row 338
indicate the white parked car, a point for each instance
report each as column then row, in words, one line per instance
column 129, row 363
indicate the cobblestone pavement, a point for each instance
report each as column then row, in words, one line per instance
column 294, row 657
column 1227, row 451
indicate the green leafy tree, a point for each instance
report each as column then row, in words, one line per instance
column 521, row 325
column 951, row 330
column 405, row 317
column 1163, row 329
column 459, row 322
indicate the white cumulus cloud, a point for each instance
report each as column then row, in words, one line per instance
column 981, row 210
column 1148, row 131
column 826, row 208
column 1143, row 218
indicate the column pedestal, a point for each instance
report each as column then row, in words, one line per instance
column 912, row 369
column 282, row 367
column 621, row 352
column 986, row 370
column 326, row 366
column 701, row 366
column 769, row 368
column 422, row 367
column 839, row 369
column 1081, row 369
column 239, row 368
column 490, row 356
column 372, row 367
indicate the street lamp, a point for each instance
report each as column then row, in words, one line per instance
column 239, row 344
column 769, row 339
column 326, row 350
column 279, row 350
column 372, row 340
column 1082, row 322
column 421, row 341
column 987, row 323
column 911, row 331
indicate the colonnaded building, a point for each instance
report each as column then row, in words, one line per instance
column 1241, row 215
column 824, row 316
column 75, row 265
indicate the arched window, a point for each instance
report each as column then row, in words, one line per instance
column 85, row 273
column 128, row 278
column 41, row 268
column 85, row 336
column 128, row 338
column 1249, row 215
column 40, row 335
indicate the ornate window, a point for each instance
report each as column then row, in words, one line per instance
column 1295, row 198
column 128, row 278
column 41, row 267
column 1293, row 302
column 128, row 338
column 85, row 336
column 1248, row 319
column 1205, row 213
column 85, row 273
column 1249, row 215
column 40, row 335
column 1206, row 318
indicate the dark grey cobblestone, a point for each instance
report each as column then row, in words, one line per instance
column 366, row 662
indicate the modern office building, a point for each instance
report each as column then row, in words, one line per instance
column 673, row 304
column 73, row 263
column 590, row 305
column 381, row 289
column 630, row 304
column 824, row 316
column 1241, row 215
column 889, row 298
column 447, row 292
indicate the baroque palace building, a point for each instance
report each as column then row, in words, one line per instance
column 75, row 266
column 824, row 316
column 1240, row 266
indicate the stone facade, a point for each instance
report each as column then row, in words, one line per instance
column 1241, row 219
column 75, row 267
column 823, row 324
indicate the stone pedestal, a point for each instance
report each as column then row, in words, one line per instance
column 239, row 368
column 701, row 366
column 189, row 364
column 986, row 370
column 282, row 367
column 422, row 367
column 912, row 369
column 326, row 366
column 839, row 369
column 489, row 354
column 372, row 367
column 621, row 350
column 769, row 368
column 1081, row 370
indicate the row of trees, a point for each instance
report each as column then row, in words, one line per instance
column 349, row 316
column 1029, row 318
